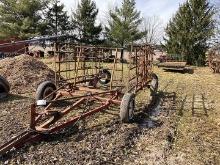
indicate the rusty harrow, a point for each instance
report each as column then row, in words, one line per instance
column 89, row 77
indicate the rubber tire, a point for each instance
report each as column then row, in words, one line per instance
column 106, row 73
column 4, row 85
column 154, row 83
column 127, row 113
column 41, row 89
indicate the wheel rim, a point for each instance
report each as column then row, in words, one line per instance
column 47, row 92
column 104, row 77
column 154, row 86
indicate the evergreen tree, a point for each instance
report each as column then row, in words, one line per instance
column 83, row 22
column 123, row 25
column 189, row 30
column 21, row 18
column 57, row 19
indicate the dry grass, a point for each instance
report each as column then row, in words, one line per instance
column 197, row 136
column 195, row 139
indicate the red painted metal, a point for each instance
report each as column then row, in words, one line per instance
column 76, row 93
column 13, row 47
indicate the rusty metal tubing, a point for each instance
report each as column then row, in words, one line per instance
column 78, row 97
column 20, row 140
column 66, row 111
column 53, row 119
column 48, row 126
column 33, row 114
column 57, row 97
column 118, row 102
column 56, row 90
column 63, row 87
column 15, row 141
column 75, row 119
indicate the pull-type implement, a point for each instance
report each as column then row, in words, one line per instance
column 94, row 78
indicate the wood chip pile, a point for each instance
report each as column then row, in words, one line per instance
column 25, row 73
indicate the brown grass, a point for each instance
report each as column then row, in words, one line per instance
column 197, row 136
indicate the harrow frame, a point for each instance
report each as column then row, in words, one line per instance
column 78, row 89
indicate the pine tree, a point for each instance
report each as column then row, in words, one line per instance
column 189, row 31
column 84, row 20
column 57, row 19
column 124, row 24
column 21, row 18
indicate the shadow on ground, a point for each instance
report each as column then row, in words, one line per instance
column 12, row 97
column 102, row 136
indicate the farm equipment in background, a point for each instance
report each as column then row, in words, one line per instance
column 12, row 47
column 175, row 66
column 214, row 60
column 17, row 47
column 87, row 85
column 174, row 63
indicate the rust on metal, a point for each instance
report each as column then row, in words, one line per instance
column 78, row 70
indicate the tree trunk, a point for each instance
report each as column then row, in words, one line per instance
column 122, row 52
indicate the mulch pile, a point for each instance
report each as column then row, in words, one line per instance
column 25, row 73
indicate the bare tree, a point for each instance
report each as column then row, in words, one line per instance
column 218, row 26
column 154, row 30
column 216, row 38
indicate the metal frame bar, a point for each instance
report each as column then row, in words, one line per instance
column 79, row 94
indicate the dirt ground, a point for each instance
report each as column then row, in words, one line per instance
column 181, row 127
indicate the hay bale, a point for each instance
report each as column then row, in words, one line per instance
column 25, row 73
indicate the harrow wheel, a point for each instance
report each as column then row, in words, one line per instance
column 127, row 107
column 105, row 77
column 154, row 84
column 45, row 89
column 4, row 87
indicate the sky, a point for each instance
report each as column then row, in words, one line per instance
column 163, row 9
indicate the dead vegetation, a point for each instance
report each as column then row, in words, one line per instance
column 197, row 138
